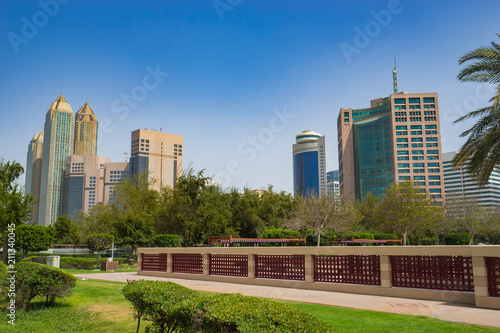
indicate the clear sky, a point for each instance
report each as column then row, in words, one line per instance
column 237, row 78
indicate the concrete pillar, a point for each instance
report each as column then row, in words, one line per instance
column 482, row 295
column 385, row 272
column 206, row 264
column 169, row 262
column 309, row 268
column 251, row 266
column 139, row 262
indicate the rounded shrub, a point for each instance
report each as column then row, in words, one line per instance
column 34, row 280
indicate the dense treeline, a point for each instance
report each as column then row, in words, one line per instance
column 194, row 210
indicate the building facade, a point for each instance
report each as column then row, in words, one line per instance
column 83, row 183
column 458, row 182
column 85, row 131
column 397, row 139
column 333, row 184
column 58, row 144
column 157, row 154
column 309, row 164
column 34, row 172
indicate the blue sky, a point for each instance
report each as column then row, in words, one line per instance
column 238, row 79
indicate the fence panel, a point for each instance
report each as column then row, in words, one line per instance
column 354, row 269
column 433, row 272
column 493, row 267
column 187, row 263
column 154, row 262
column 282, row 267
column 229, row 264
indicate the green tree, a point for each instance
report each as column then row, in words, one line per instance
column 465, row 214
column 368, row 209
column 15, row 206
column 66, row 231
column 179, row 211
column 245, row 207
column 482, row 148
column 137, row 209
column 405, row 208
column 323, row 213
column 99, row 242
column 33, row 238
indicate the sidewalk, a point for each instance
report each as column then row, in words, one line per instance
column 462, row 313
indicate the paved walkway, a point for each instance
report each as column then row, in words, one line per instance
column 462, row 313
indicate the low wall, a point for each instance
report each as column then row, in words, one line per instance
column 459, row 274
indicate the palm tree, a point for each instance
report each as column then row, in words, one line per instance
column 482, row 149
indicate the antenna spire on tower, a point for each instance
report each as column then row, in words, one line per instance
column 395, row 76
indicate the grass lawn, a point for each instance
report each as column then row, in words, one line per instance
column 121, row 268
column 98, row 306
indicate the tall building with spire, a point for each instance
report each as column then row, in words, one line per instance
column 86, row 131
column 397, row 139
column 58, row 144
column 34, row 171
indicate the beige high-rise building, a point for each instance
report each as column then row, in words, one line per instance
column 397, row 139
column 34, row 172
column 114, row 173
column 157, row 154
column 85, row 131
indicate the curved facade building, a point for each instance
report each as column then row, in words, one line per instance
column 309, row 170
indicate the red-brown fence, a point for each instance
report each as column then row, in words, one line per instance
column 154, row 262
column 187, row 263
column 282, row 267
column 347, row 269
column 493, row 267
column 229, row 264
column 433, row 272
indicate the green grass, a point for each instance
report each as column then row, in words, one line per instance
column 98, row 306
column 122, row 268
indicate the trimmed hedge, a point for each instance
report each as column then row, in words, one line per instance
column 172, row 307
column 238, row 313
column 76, row 263
column 34, row 279
column 168, row 305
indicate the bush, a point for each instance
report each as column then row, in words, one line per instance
column 38, row 260
column 361, row 235
column 312, row 240
column 238, row 313
column 170, row 305
column 166, row 304
column 456, row 238
column 430, row 241
column 384, row 236
column 34, row 279
column 167, row 240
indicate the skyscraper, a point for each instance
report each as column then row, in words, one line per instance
column 85, row 131
column 83, row 183
column 396, row 139
column 309, row 169
column 332, row 184
column 458, row 182
column 34, row 171
column 58, row 144
column 157, row 154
